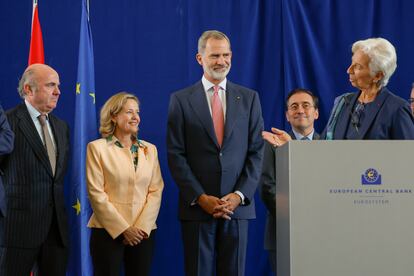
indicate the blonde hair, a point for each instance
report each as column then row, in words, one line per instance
column 111, row 108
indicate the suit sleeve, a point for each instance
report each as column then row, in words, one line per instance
column 249, row 178
column 106, row 213
column 149, row 214
column 403, row 124
column 268, row 179
column 190, row 188
column 6, row 134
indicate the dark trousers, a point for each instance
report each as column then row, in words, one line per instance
column 51, row 257
column 215, row 247
column 109, row 254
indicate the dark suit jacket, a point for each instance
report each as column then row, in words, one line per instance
column 33, row 193
column 6, row 146
column 268, row 191
column 197, row 163
column 392, row 120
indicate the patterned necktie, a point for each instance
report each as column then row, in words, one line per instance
column 305, row 138
column 48, row 142
column 218, row 115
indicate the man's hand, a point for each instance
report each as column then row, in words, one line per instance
column 215, row 206
column 233, row 199
column 133, row 236
column 277, row 138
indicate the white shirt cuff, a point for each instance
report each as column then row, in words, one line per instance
column 240, row 194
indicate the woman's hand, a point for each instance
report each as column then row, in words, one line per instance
column 277, row 137
column 133, row 236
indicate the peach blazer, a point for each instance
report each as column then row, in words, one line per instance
column 120, row 196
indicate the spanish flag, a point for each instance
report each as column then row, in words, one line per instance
column 36, row 54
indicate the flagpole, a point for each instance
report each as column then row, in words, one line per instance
column 87, row 8
column 33, row 12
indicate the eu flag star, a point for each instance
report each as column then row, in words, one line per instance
column 78, row 88
column 92, row 94
column 77, row 207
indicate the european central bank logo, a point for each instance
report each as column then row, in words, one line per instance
column 371, row 177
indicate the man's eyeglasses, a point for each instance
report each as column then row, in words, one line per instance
column 411, row 100
column 295, row 106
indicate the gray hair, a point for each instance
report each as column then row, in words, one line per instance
column 202, row 41
column 27, row 78
column 383, row 57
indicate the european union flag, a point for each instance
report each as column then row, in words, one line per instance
column 85, row 130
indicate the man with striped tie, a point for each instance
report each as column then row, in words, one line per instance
column 35, row 224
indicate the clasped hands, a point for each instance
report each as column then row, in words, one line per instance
column 219, row 207
column 277, row 137
column 133, row 236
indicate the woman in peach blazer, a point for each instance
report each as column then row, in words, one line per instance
column 124, row 188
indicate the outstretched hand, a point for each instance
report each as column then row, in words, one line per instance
column 277, row 137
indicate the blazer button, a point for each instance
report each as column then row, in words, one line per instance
column 221, row 154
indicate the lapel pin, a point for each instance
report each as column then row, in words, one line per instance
column 238, row 97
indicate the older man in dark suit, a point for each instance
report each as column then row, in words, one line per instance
column 301, row 112
column 35, row 225
column 6, row 146
column 215, row 156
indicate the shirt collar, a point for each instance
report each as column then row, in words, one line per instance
column 113, row 140
column 300, row 136
column 33, row 112
column 208, row 85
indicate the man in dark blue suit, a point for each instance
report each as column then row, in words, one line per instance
column 301, row 112
column 6, row 146
column 215, row 156
column 35, row 224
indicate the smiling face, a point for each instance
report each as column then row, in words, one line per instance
column 127, row 120
column 301, row 112
column 44, row 94
column 216, row 59
column 360, row 74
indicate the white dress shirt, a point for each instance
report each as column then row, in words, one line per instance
column 209, row 90
column 300, row 136
column 34, row 114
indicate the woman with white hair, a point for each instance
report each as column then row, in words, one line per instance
column 372, row 112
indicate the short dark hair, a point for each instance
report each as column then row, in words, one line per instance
column 302, row 90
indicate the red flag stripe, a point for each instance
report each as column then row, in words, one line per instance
column 36, row 54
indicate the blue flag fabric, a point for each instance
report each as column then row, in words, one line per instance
column 85, row 130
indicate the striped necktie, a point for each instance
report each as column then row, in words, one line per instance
column 48, row 142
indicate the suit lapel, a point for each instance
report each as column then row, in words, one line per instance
column 199, row 104
column 29, row 130
column 370, row 116
column 60, row 138
column 233, row 99
column 344, row 118
column 292, row 135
